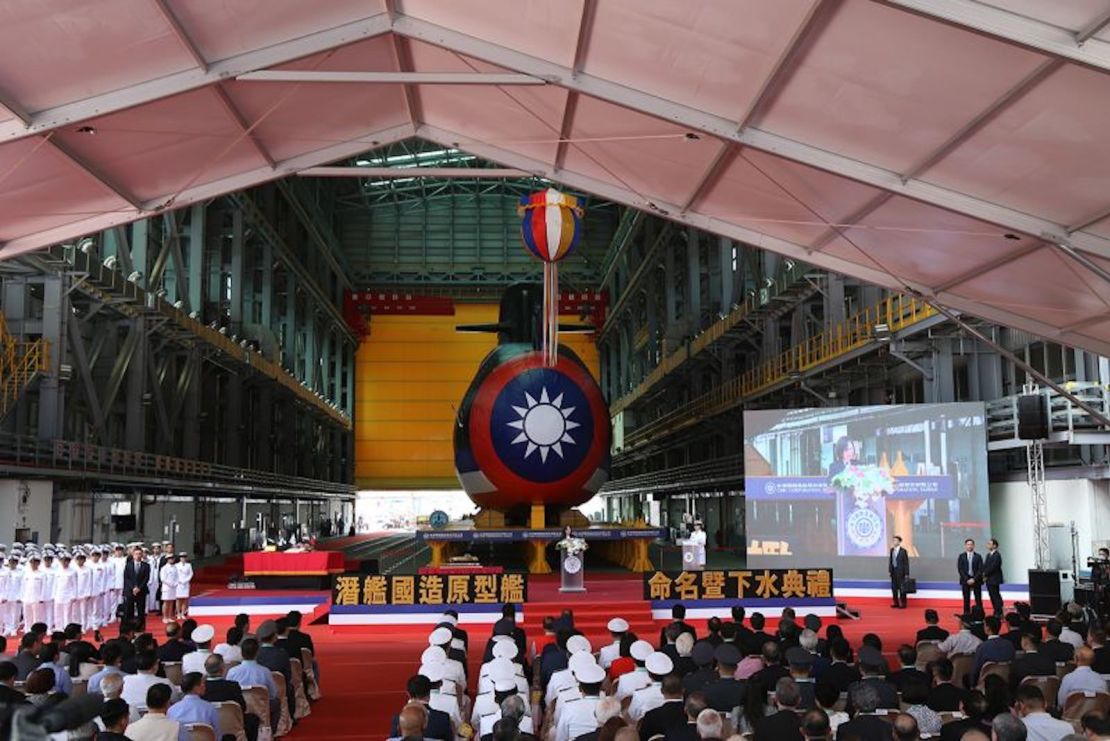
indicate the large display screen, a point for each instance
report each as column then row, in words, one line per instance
column 833, row 486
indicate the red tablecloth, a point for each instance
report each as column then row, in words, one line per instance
column 312, row 563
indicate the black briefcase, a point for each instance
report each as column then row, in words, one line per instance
column 909, row 585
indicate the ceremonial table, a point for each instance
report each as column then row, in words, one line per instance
column 292, row 570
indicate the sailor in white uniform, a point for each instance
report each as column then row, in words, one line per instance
column 14, row 613
column 33, row 579
column 65, row 590
column 647, row 698
column 577, row 715
column 440, row 699
column 49, row 570
column 610, row 653
column 441, row 638
column 634, row 680
column 5, row 580
column 119, row 563
column 154, row 559
column 168, row 578
column 697, row 539
column 96, row 588
column 184, row 579
column 563, row 678
column 577, row 663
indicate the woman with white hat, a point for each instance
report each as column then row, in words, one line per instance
column 167, row 576
column 184, row 578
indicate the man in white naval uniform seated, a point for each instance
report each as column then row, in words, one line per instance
column 440, row 699
column 488, row 707
column 563, row 678
column 634, row 680
column 502, row 683
column 452, row 671
column 503, row 669
column 578, row 663
column 647, row 698
column 610, row 653
column 578, row 715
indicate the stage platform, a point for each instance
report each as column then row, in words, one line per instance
column 263, row 602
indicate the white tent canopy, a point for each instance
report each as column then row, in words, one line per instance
column 955, row 147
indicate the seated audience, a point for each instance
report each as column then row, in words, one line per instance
column 155, row 725
column 932, row 630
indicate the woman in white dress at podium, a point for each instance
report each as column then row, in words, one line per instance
column 697, row 539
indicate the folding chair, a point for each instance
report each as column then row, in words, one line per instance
column 927, row 652
column 313, row 688
column 200, row 732
column 258, row 703
column 231, row 720
column 173, row 672
column 302, row 709
column 1078, row 704
column 997, row 668
column 962, row 664
column 1049, row 687
column 285, row 719
column 1064, row 667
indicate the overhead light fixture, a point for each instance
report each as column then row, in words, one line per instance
column 110, row 261
column 135, row 277
column 881, row 332
column 86, row 245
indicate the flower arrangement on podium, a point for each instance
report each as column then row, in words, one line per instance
column 868, row 483
column 572, row 546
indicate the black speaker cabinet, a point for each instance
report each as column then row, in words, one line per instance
column 1044, row 591
column 1032, row 417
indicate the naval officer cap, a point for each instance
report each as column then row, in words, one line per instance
column 434, row 672
column 504, row 650
column 433, row 655
column 35, row 557
column 589, row 674
column 440, row 637
column 640, row 650
column 618, row 625
column 203, row 633
column 659, row 663
column 580, row 659
column 501, row 669
column 578, row 643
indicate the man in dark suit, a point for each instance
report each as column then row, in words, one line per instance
column 439, row 722
column 274, row 658
column 136, row 584
column 753, row 646
column 783, row 725
column 726, row 692
column 1059, row 650
column 218, row 689
column 27, row 660
column 840, row 673
column 865, row 725
column 992, row 575
column 898, row 566
column 970, row 566
column 772, row 670
column 1037, row 661
column 174, row 649
column 932, row 630
column 995, row 648
column 743, row 633
column 975, row 710
column 9, row 695
column 678, row 617
column 944, row 696
column 704, row 673
column 695, row 703
column 871, row 667
column 507, row 626
column 908, row 672
column 671, row 714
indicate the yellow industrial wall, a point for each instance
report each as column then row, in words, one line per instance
column 411, row 374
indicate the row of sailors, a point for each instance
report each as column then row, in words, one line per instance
column 572, row 694
column 57, row 586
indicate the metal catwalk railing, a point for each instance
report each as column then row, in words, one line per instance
column 892, row 315
column 1067, row 421
column 792, row 276
column 20, row 362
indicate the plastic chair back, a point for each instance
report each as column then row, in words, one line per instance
column 297, row 673
column 285, row 719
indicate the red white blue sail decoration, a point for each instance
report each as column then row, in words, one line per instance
column 551, row 225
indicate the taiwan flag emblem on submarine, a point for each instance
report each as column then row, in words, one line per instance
column 530, row 431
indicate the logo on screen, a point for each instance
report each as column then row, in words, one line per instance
column 864, row 528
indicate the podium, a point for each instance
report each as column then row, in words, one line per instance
column 573, row 572
column 690, row 557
